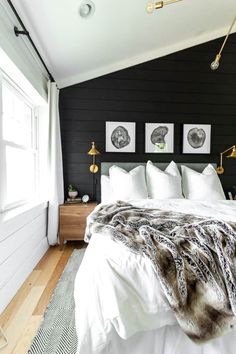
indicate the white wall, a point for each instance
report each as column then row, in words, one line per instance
column 23, row 231
column 23, row 242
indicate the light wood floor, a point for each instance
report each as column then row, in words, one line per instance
column 23, row 315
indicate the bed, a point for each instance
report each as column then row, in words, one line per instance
column 120, row 303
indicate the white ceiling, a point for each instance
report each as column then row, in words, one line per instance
column 119, row 34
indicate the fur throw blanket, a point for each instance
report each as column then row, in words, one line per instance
column 194, row 259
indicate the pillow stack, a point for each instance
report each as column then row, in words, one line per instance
column 157, row 184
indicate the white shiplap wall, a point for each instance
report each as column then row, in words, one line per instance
column 23, row 242
column 23, row 232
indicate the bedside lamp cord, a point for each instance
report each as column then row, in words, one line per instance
column 2, row 334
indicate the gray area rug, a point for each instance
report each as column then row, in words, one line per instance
column 57, row 334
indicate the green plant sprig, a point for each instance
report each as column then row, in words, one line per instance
column 72, row 188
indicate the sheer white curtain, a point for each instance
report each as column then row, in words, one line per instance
column 56, row 186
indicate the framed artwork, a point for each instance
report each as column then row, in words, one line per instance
column 159, row 138
column 120, row 137
column 197, row 139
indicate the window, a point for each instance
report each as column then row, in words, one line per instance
column 18, row 147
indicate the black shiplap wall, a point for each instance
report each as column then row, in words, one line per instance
column 178, row 88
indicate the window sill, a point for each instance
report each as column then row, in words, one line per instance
column 12, row 220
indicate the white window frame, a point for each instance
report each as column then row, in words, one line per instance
column 5, row 80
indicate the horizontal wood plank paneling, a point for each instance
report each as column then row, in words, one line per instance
column 18, row 239
column 21, row 249
column 12, row 263
column 23, row 270
column 178, row 88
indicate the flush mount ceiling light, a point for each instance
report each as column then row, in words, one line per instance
column 86, row 9
column 215, row 64
column 151, row 6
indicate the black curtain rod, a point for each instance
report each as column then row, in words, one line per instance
column 26, row 33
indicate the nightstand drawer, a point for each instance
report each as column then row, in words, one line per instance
column 67, row 219
column 73, row 232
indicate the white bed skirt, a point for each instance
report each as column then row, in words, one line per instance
column 168, row 340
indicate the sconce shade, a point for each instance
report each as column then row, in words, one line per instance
column 220, row 169
column 93, row 150
column 233, row 153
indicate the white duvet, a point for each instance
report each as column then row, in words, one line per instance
column 117, row 291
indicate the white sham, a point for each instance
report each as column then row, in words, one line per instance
column 163, row 184
column 128, row 185
column 202, row 186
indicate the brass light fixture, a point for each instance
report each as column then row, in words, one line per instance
column 215, row 64
column 93, row 152
column 158, row 5
column 220, row 169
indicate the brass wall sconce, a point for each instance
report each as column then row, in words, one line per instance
column 220, row 169
column 215, row 64
column 158, row 5
column 93, row 152
column 93, row 168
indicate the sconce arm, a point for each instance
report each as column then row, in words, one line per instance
column 220, row 169
column 226, row 37
column 222, row 153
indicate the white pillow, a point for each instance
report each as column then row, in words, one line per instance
column 128, row 185
column 202, row 186
column 163, row 184
column 106, row 190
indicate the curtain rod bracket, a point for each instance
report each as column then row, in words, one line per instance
column 26, row 33
column 18, row 32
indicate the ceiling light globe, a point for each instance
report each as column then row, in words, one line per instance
column 214, row 65
column 86, row 9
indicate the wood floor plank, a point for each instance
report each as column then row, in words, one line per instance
column 48, row 267
column 44, row 259
column 16, row 302
column 23, row 315
column 30, row 331
column 16, row 327
column 44, row 299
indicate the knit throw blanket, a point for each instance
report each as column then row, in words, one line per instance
column 194, row 259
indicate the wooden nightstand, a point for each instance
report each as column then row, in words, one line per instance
column 72, row 221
